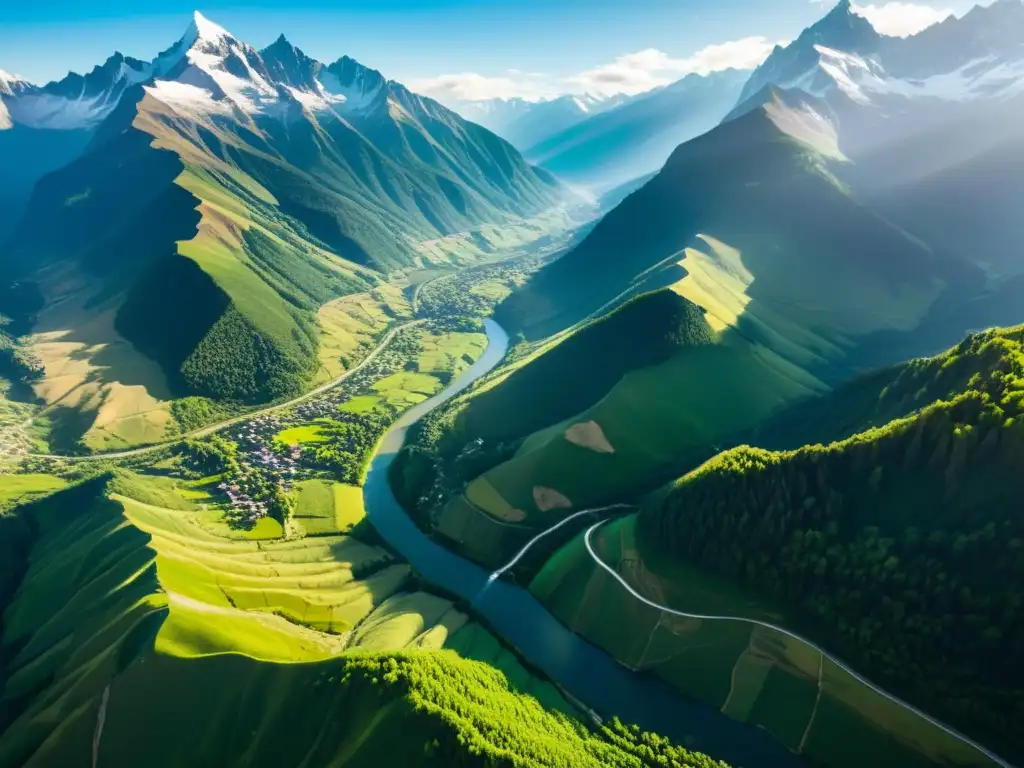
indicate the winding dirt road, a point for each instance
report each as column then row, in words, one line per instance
column 212, row 428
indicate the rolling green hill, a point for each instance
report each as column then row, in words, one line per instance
column 899, row 544
column 790, row 273
column 883, row 526
column 134, row 634
column 801, row 250
column 558, row 379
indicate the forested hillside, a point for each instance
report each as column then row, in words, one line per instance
column 901, row 547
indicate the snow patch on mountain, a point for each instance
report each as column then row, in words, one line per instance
column 357, row 95
column 38, row 109
column 864, row 79
column 11, row 85
column 224, row 75
column 979, row 56
column 804, row 118
column 204, row 29
column 189, row 100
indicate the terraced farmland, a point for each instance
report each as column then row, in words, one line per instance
column 127, row 608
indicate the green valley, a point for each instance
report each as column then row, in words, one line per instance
column 263, row 223
column 336, row 431
column 180, row 611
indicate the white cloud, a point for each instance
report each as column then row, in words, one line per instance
column 643, row 70
column 901, row 19
column 630, row 73
column 470, row 86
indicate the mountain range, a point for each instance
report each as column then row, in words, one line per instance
column 636, row 137
column 527, row 123
column 196, row 210
column 831, row 223
column 923, row 118
column 744, row 432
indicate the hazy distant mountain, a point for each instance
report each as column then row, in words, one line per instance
column 637, row 137
column 43, row 128
column 493, row 114
column 226, row 193
column 924, row 118
column 526, row 123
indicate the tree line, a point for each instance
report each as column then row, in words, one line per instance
column 900, row 548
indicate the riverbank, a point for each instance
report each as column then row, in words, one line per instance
column 588, row 674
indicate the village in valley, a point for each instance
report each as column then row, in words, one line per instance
column 258, row 462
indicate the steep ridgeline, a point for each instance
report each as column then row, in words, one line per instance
column 901, row 547
column 928, row 121
column 225, row 195
column 132, row 635
column 791, row 274
column 636, row 137
column 744, row 219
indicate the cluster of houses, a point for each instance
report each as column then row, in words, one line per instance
column 264, row 463
column 246, row 511
column 261, row 465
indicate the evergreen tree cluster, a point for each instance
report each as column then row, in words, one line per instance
column 351, row 440
column 236, row 361
column 477, row 721
column 900, row 548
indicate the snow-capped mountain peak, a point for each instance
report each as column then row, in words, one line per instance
column 839, row 30
column 11, row 84
column 202, row 29
column 74, row 102
column 977, row 56
column 208, row 71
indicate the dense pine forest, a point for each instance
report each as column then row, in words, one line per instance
column 900, row 547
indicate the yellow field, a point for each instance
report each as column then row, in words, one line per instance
column 352, row 325
column 121, row 397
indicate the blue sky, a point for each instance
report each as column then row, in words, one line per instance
column 449, row 48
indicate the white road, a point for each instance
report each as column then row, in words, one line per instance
column 211, row 429
column 860, row 678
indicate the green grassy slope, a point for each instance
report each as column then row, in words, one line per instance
column 211, row 243
column 760, row 184
column 898, row 546
column 134, row 634
column 549, row 385
column 579, row 370
column 793, row 277
column 751, row 673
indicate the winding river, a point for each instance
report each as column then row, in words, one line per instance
column 585, row 671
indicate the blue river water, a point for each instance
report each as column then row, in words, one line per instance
column 585, row 671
